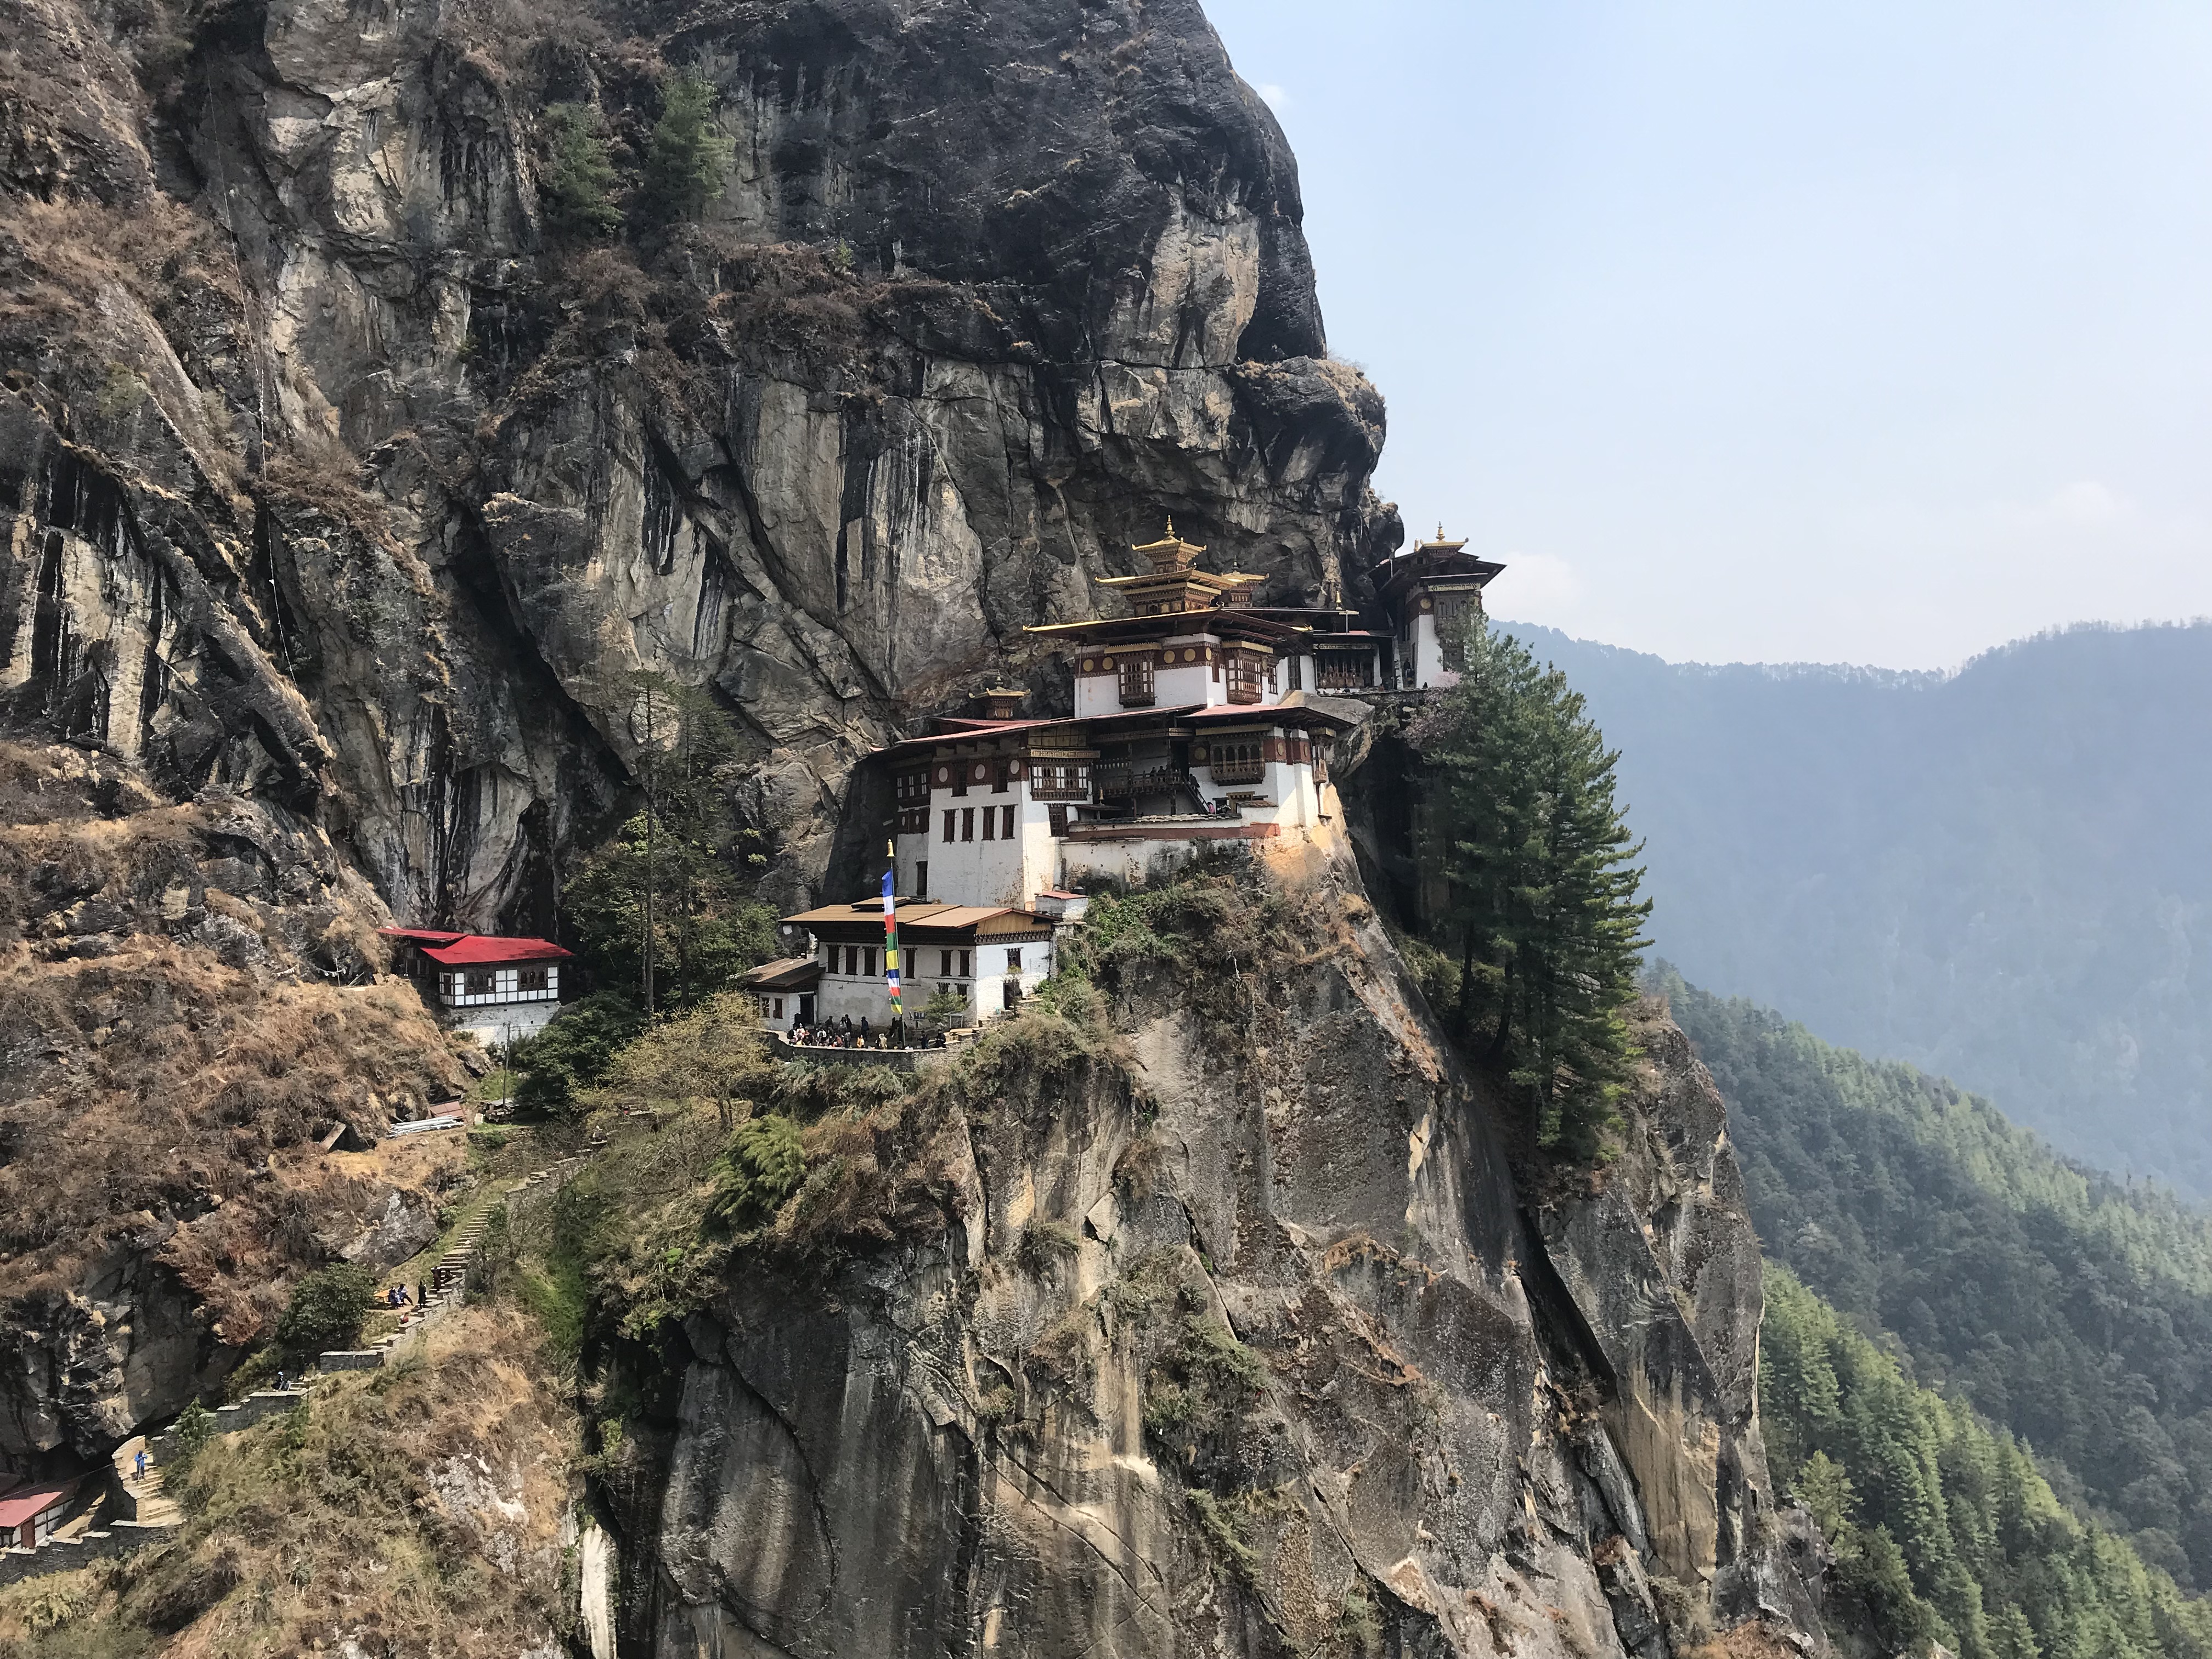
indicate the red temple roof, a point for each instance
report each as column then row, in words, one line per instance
column 421, row 935
column 24, row 1502
column 474, row 950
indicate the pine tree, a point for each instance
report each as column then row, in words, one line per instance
column 1542, row 911
column 688, row 158
column 579, row 180
column 667, row 905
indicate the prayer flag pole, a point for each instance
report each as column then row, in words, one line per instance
column 891, row 931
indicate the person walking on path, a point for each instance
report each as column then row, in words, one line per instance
column 864, row 1030
column 139, row 1462
column 280, row 1382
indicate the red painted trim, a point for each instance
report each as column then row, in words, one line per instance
column 1165, row 832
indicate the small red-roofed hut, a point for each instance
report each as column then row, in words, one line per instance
column 497, row 987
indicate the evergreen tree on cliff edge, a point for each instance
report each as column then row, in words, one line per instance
column 1542, row 915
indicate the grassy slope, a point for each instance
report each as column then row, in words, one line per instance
column 415, row 1510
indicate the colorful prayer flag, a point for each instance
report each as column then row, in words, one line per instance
column 890, row 939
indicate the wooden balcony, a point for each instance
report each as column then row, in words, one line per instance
column 1239, row 771
column 1116, row 783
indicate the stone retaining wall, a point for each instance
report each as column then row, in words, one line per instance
column 65, row 1554
column 898, row 1059
column 229, row 1419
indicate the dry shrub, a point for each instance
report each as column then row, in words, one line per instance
column 609, row 282
column 157, row 250
column 156, row 1085
column 318, row 475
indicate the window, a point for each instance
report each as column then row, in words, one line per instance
column 1136, row 670
column 779, row 1008
column 478, row 981
column 1297, row 673
column 990, row 823
column 868, row 963
column 967, row 824
column 530, row 979
column 1013, row 959
column 1058, row 815
column 948, row 824
column 1060, row 780
column 944, row 963
column 852, row 960
column 913, row 803
column 1006, row 823
column 965, row 969
column 999, row 775
column 960, row 777
column 1243, row 680
column 921, row 877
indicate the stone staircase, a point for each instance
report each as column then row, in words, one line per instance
column 449, row 1278
column 143, row 1499
column 143, row 1512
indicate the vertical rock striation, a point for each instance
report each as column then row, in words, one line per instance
column 326, row 471
column 1236, row 1335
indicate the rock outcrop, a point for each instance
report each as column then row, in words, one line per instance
column 1234, row 1334
column 327, row 472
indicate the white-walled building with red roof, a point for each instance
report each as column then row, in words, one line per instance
column 496, row 987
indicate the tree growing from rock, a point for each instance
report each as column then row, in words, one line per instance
column 1542, row 920
column 689, row 157
column 667, row 906
column 579, row 177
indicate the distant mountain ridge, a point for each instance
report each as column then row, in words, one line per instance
column 2002, row 875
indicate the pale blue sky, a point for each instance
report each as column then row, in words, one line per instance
column 1876, row 332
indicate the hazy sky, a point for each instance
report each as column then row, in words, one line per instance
column 1878, row 332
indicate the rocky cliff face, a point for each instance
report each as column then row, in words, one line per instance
column 325, row 473
column 1231, row 1334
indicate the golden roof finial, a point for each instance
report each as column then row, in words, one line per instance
column 1171, row 535
column 1440, row 530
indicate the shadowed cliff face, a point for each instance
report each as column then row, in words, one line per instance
column 323, row 474
column 1230, row 1334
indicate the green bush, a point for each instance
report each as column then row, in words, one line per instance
column 194, row 1428
column 573, row 1053
column 326, row 1311
column 764, row 1165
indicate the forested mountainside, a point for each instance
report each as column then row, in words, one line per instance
column 2003, row 875
column 2070, row 1309
column 1941, row 1529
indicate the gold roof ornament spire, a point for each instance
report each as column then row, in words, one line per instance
column 1170, row 552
